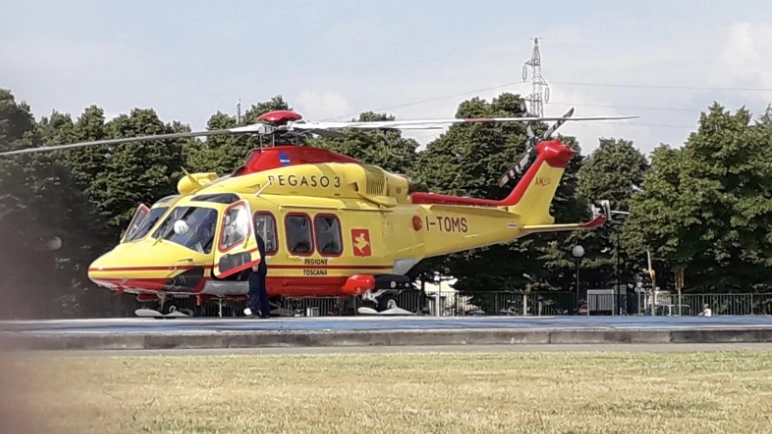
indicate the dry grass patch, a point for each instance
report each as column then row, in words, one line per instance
column 727, row 392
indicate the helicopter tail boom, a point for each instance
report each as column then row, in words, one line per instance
column 453, row 224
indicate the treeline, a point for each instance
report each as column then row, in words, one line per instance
column 705, row 207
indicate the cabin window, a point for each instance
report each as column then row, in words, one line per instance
column 328, row 235
column 265, row 228
column 144, row 224
column 299, row 234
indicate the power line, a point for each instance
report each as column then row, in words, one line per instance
column 636, row 124
column 676, row 109
column 657, row 86
column 639, row 86
column 425, row 101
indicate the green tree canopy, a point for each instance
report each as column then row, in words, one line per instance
column 116, row 179
column 467, row 161
column 384, row 148
column 612, row 172
column 224, row 154
column 44, row 240
column 708, row 206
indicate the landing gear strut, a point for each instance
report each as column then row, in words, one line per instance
column 165, row 310
column 383, row 298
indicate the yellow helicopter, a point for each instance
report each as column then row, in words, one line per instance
column 333, row 226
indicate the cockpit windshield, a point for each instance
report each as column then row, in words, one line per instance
column 191, row 227
column 142, row 226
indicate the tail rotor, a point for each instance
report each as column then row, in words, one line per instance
column 603, row 207
column 530, row 149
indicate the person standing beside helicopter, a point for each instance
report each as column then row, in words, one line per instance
column 258, row 294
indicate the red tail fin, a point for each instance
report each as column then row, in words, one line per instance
column 552, row 153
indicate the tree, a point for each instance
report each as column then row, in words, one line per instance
column 85, row 164
column 612, row 172
column 467, row 161
column 43, row 218
column 766, row 118
column 225, row 154
column 116, row 179
column 707, row 207
column 384, row 148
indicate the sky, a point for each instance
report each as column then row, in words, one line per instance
column 665, row 61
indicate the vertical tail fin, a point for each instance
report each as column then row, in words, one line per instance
column 533, row 194
column 531, row 197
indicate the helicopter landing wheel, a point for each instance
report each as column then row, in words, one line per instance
column 171, row 310
column 168, row 309
column 386, row 302
column 373, row 304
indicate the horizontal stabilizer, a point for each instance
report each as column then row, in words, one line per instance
column 596, row 221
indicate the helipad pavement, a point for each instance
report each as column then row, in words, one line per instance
column 360, row 324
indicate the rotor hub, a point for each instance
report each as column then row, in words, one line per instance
column 279, row 117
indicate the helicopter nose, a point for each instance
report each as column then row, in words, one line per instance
column 143, row 267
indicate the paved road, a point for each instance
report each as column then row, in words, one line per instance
column 188, row 325
column 626, row 348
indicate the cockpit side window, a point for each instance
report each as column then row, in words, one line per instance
column 140, row 230
column 265, row 227
column 299, row 234
column 141, row 224
column 328, row 235
column 140, row 215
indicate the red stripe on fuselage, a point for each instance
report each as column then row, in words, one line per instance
column 142, row 284
column 151, row 268
column 270, row 266
column 288, row 287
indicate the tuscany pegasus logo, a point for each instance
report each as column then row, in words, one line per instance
column 361, row 241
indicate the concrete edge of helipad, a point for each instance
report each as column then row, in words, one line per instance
column 289, row 338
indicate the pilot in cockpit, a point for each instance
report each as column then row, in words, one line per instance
column 206, row 231
column 198, row 232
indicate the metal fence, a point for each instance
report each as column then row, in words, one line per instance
column 102, row 304
column 602, row 302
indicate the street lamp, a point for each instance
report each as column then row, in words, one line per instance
column 617, row 231
column 617, row 277
column 578, row 252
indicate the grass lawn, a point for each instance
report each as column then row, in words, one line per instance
column 500, row 392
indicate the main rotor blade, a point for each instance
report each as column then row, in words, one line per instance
column 437, row 123
column 249, row 129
